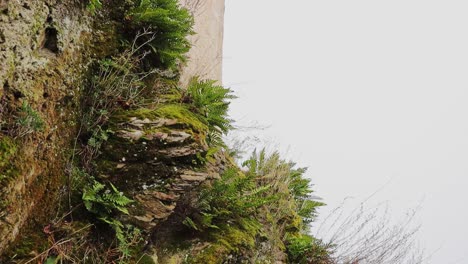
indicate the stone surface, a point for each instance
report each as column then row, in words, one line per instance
column 153, row 161
column 44, row 48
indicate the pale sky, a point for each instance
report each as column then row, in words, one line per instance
column 366, row 94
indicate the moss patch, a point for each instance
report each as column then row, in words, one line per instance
column 7, row 151
column 228, row 240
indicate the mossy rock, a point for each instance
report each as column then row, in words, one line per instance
column 8, row 149
column 227, row 241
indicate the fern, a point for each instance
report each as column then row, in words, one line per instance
column 170, row 24
column 232, row 198
column 105, row 202
column 211, row 101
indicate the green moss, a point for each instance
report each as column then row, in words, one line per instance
column 8, row 150
column 234, row 238
column 28, row 246
column 228, row 240
column 295, row 223
column 213, row 254
column 146, row 259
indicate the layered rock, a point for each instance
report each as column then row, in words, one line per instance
column 155, row 161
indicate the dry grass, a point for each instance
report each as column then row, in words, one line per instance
column 366, row 234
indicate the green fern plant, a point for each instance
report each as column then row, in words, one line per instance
column 232, row 198
column 105, row 202
column 304, row 249
column 211, row 102
column 170, row 24
column 286, row 180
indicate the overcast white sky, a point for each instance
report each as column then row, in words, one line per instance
column 366, row 94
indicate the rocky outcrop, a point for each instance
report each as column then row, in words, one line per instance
column 46, row 49
column 156, row 161
column 43, row 55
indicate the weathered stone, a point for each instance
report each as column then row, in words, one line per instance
column 194, row 176
column 184, row 151
column 42, row 61
column 130, row 134
column 178, row 137
column 160, row 122
column 166, row 197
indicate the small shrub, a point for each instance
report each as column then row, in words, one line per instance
column 117, row 85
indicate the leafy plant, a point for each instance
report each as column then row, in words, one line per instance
column 28, row 121
column 170, row 23
column 117, row 85
column 94, row 5
column 286, row 181
column 211, row 102
column 304, row 249
column 232, row 198
column 105, row 203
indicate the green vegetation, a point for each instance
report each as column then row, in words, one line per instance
column 170, row 25
column 28, row 121
column 94, row 5
column 117, row 90
column 104, row 202
column 304, row 249
column 7, row 150
column 117, row 85
column 264, row 200
column 211, row 101
column 270, row 198
column 171, row 111
column 234, row 197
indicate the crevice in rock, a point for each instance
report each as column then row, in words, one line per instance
column 2, row 37
column 51, row 40
column 26, row 5
column 18, row 95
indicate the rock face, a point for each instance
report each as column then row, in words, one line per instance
column 153, row 160
column 206, row 55
column 42, row 58
column 46, row 49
